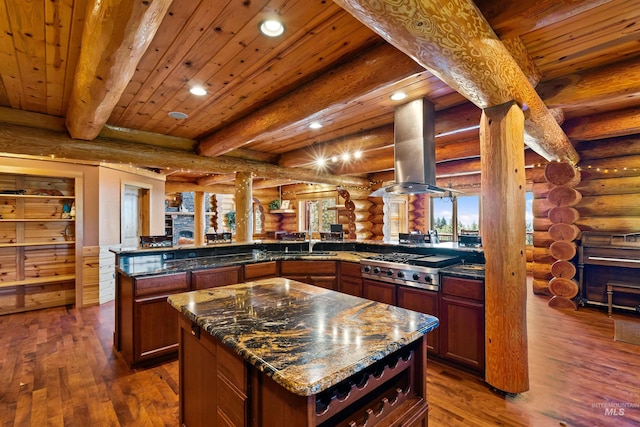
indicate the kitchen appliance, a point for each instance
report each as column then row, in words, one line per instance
column 213, row 238
column 470, row 239
column 417, row 270
column 412, row 238
column 155, row 242
column 326, row 236
column 414, row 150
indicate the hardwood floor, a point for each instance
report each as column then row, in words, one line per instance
column 57, row 368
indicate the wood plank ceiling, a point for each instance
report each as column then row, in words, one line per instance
column 583, row 57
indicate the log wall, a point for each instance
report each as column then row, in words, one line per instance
column 610, row 200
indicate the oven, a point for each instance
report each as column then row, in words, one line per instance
column 416, row 270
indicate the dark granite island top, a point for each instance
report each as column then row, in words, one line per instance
column 304, row 337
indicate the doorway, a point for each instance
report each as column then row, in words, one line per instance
column 134, row 215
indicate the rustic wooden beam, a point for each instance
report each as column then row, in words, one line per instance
column 456, row 43
column 369, row 71
column 270, row 183
column 590, row 89
column 503, row 239
column 116, row 34
column 606, row 148
column 244, row 207
column 606, row 125
column 39, row 142
column 217, row 179
column 515, row 18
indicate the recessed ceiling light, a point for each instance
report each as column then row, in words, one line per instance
column 198, row 90
column 334, row 159
column 345, row 157
column 357, row 154
column 178, row 115
column 321, row 161
column 398, row 96
column 315, row 125
column 271, row 28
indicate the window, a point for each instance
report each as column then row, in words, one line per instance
column 442, row 218
column 317, row 214
column 468, row 213
column 398, row 215
column 529, row 217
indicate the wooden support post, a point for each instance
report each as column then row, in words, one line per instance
column 244, row 207
column 198, row 218
column 503, row 238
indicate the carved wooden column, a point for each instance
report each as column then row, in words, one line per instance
column 244, row 207
column 198, row 218
column 503, row 239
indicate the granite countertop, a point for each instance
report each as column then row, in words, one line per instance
column 155, row 264
column 304, row 337
column 469, row 271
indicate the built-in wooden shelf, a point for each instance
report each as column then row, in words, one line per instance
column 49, row 243
column 37, row 220
column 38, row 280
column 35, row 196
column 283, row 211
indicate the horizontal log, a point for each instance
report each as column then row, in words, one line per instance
column 561, row 287
column 34, row 142
column 562, row 231
column 541, row 271
column 611, row 185
column 542, row 239
column 563, row 215
column 563, row 250
column 541, row 287
column 562, row 173
column 609, row 148
column 604, row 168
column 604, row 125
column 563, row 269
column 564, row 196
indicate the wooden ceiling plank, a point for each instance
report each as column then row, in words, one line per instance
column 291, row 62
column 220, row 41
column 175, row 41
column 28, row 34
column 58, row 15
column 118, row 32
column 73, row 52
column 364, row 73
column 467, row 55
column 10, row 71
column 38, row 142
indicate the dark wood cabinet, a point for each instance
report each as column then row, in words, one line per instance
column 423, row 301
column 319, row 273
column 261, row 270
column 379, row 291
column 462, row 321
column 146, row 325
column 350, row 278
column 216, row 395
column 214, row 277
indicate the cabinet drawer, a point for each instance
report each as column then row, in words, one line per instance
column 309, row 268
column 233, row 368
column 465, row 288
column 350, row 269
column 261, row 269
column 223, row 276
column 162, row 284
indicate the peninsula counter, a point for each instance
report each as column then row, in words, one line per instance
column 279, row 352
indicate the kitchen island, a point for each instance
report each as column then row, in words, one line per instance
column 283, row 353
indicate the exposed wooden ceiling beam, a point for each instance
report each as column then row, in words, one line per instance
column 116, row 34
column 217, row 179
column 38, row 142
column 515, row 18
column 375, row 68
column 456, row 43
